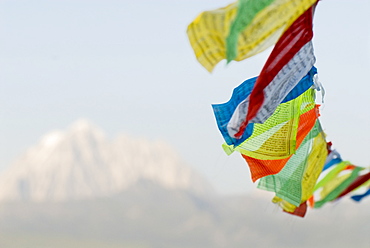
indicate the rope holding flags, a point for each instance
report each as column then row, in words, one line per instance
column 273, row 120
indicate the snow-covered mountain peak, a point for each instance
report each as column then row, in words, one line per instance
column 82, row 163
column 83, row 127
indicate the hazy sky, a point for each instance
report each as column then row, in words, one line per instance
column 128, row 67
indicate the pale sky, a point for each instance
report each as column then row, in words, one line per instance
column 128, row 67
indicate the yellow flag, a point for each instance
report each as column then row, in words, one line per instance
column 207, row 35
column 276, row 138
column 316, row 161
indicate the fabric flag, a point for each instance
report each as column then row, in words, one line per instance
column 227, row 114
column 207, row 34
column 276, row 138
column 287, row 184
column 291, row 59
column 261, row 168
column 257, row 19
column 315, row 163
column 224, row 113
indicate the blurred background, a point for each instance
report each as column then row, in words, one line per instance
column 108, row 137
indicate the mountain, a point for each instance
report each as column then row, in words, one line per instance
column 77, row 189
column 81, row 162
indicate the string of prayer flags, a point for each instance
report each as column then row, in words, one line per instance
column 273, row 120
